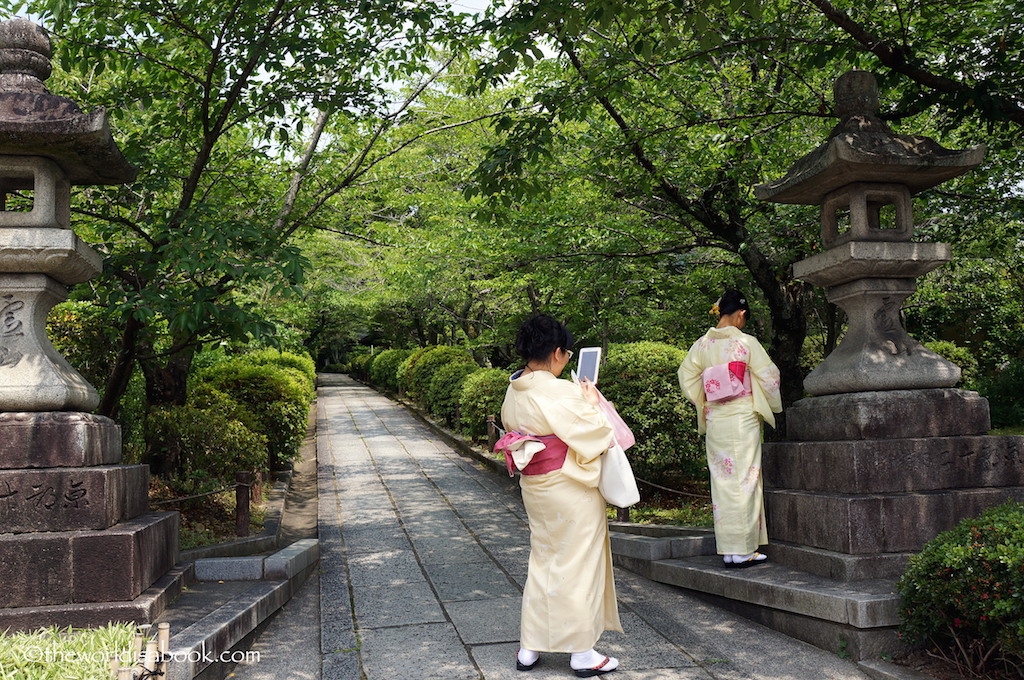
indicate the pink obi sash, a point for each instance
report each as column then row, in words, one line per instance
column 724, row 382
column 546, row 460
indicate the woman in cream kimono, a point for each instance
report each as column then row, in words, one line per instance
column 733, row 429
column 569, row 596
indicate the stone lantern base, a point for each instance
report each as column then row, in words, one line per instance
column 79, row 546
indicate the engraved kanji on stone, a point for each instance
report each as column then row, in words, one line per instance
column 7, row 491
column 10, row 327
column 75, row 495
column 45, row 496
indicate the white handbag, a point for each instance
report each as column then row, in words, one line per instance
column 618, row 485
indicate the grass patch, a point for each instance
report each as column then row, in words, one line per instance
column 208, row 520
column 1016, row 429
column 673, row 511
column 65, row 653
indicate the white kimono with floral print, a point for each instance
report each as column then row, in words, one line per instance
column 733, row 430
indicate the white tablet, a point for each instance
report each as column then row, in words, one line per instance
column 589, row 363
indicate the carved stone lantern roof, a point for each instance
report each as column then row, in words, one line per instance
column 862, row 148
column 34, row 122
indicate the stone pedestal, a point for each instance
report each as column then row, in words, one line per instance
column 868, row 478
column 76, row 526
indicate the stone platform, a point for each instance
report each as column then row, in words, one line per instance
column 79, row 546
column 846, row 513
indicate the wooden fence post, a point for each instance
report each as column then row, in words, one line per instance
column 492, row 433
column 242, row 493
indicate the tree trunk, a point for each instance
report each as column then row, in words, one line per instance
column 166, row 385
column 121, row 375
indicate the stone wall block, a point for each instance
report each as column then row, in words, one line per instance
column 869, row 524
column 35, row 569
column 64, row 499
column 30, row 439
column 892, row 414
column 118, row 563
column 895, row 465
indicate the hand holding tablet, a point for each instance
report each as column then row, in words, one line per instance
column 588, row 365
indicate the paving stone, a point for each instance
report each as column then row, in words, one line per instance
column 428, row 652
column 375, row 539
column 340, row 666
column 449, row 549
column 485, row 621
column 384, row 568
column 396, row 605
column 457, row 581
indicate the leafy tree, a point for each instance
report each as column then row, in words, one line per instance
column 224, row 109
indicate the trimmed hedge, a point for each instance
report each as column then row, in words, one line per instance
column 962, row 357
column 303, row 364
column 482, row 395
column 404, row 372
column 641, row 380
column 963, row 594
column 207, row 442
column 384, row 369
column 278, row 401
column 359, row 366
column 419, row 374
column 442, row 397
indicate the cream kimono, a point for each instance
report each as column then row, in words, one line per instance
column 569, row 597
column 733, row 431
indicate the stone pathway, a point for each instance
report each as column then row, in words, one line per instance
column 423, row 559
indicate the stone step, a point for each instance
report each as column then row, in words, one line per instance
column 861, row 604
column 850, row 617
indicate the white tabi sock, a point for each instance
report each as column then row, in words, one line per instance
column 589, row 659
column 527, row 657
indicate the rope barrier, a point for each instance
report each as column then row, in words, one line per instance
column 200, row 495
column 665, row 488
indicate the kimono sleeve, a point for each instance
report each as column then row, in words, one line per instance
column 765, row 382
column 584, row 429
column 692, row 383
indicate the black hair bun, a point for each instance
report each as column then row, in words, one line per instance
column 539, row 336
column 733, row 301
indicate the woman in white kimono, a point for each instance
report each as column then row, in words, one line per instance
column 733, row 426
column 569, row 596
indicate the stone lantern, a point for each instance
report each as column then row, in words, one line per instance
column 77, row 543
column 885, row 453
column 868, row 172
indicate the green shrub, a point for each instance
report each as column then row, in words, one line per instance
column 641, row 380
column 278, row 401
column 359, row 366
column 482, row 395
column 962, row 357
column 420, row 374
column 384, row 369
column 209, row 442
column 404, row 372
column 442, row 397
column 335, row 368
column 302, row 363
column 963, row 594
column 86, row 336
column 813, row 353
column 1005, row 394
